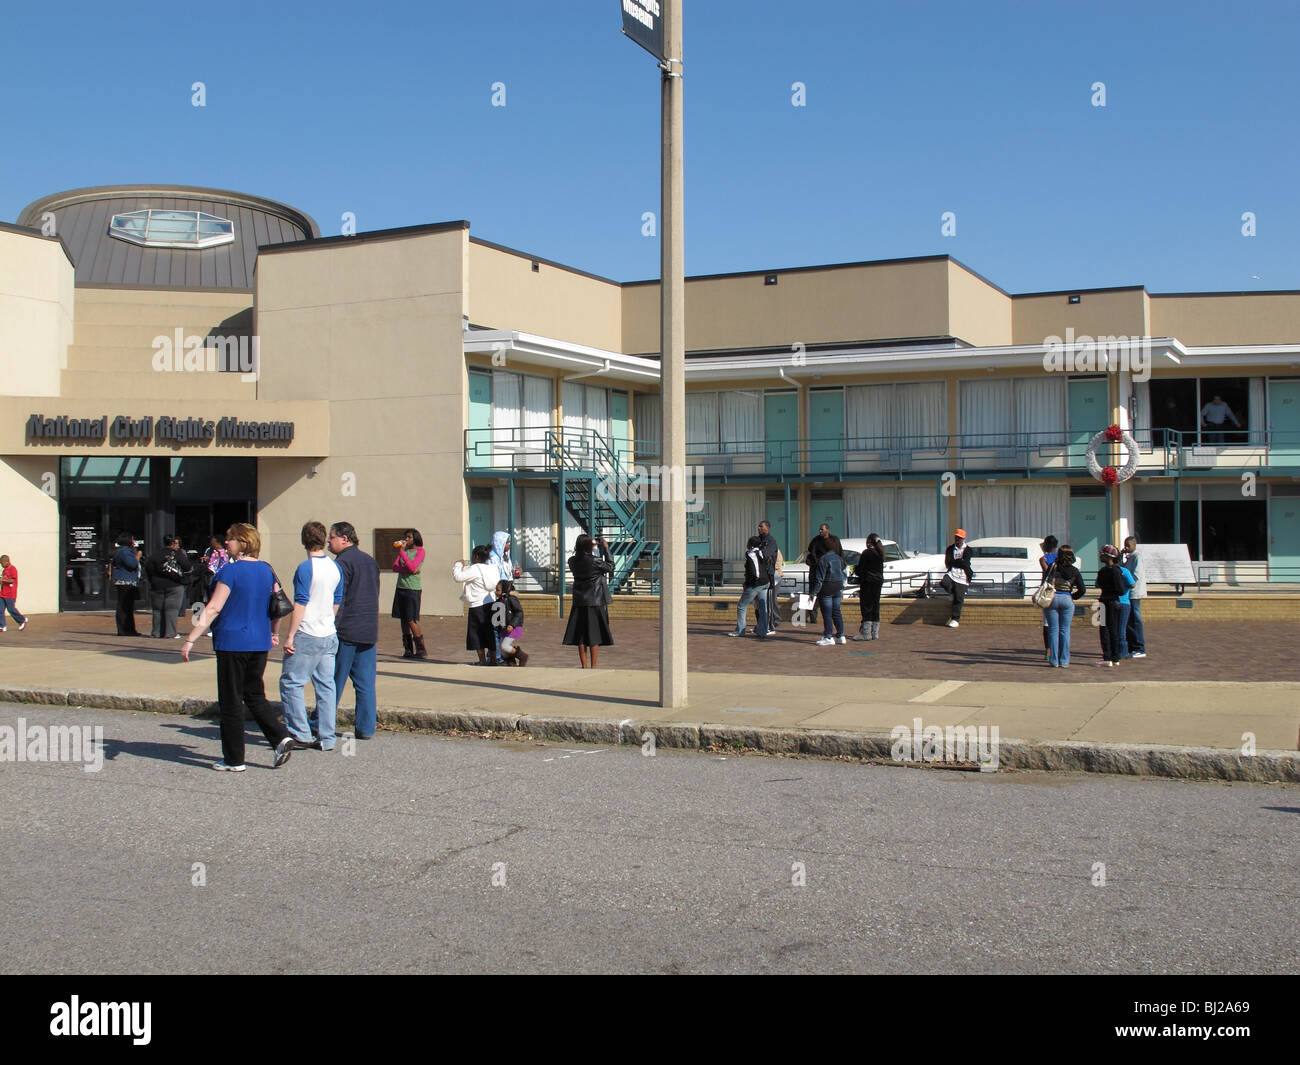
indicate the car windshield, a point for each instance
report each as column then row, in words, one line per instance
column 851, row 557
column 892, row 553
column 1001, row 552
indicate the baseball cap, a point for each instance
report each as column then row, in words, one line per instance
column 960, row 534
column 1110, row 551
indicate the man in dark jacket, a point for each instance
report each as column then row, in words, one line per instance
column 168, row 570
column 957, row 579
column 756, row 588
column 357, row 625
column 768, row 549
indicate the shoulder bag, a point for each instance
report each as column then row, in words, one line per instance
column 1047, row 590
column 280, row 605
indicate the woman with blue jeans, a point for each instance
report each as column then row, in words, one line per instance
column 312, row 645
column 828, row 590
column 1068, row 583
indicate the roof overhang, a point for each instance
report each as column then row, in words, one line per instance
column 1081, row 356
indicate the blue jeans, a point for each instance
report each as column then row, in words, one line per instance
column 10, row 605
column 1059, row 616
column 1121, row 626
column 758, row 596
column 1133, row 634
column 830, row 607
column 357, row 660
column 313, row 659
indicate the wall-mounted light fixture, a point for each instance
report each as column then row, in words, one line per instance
column 1074, row 299
column 536, row 266
column 769, row 279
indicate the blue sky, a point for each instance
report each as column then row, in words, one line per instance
column 912, row 109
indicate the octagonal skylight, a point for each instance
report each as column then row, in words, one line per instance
column 172, row 229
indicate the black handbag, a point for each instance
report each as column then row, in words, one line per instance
column 280, row 605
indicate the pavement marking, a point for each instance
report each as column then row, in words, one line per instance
column 936, row 693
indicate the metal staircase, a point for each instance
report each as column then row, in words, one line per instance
column 596, row 491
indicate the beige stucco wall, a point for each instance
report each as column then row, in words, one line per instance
column 31, row 530
column 977, row 312
column 1121, row 312
column 36, row 313
column 1262, row 318
column 373, row 328
column 503, row 292
column 846, row 303
column 116, row 350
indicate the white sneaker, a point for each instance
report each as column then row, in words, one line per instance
column 1139, row 654
column 228, row 768
column 952, row 624
column 826, row 641
column 843, row 639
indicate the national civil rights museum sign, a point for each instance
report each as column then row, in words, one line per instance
column 165, row 430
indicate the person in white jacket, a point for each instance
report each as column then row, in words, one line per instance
column 479, row 579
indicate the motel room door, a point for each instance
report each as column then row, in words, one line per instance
column 1088, row 532
column 1283, row 535
column 780, row 430
column 1284, row 423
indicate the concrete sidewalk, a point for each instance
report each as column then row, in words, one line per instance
column 1187, row 729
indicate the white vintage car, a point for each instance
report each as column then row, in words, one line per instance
column 1004, row 566
column 794, row 575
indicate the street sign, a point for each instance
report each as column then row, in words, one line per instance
column 644, row 24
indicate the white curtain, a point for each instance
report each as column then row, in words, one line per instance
column 1040, row 411
column 649, row 419
column 736, row 513
column 869, row 417
column 598, row 411
column 870, row 510
column 920, row 414
column 742, row 422
column 1141, row 390
column 505, row 418
column 988, row 411
column 986, row 511
column 917, row 527
column 702, row 423
column 574, row 405
column 1041, row 510
column 534, row 550
column 538, row 410
column 1254, row 417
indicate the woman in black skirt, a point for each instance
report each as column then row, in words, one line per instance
column 588, row 617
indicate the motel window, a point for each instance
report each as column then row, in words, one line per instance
column 1013, row 412
column 1187, row 405
column 910, row 417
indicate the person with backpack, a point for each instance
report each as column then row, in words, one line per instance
column 756, row 587
column 168, row 570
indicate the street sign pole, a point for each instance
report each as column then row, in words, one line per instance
column 672, row 371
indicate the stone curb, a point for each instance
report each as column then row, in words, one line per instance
column 1124, row 759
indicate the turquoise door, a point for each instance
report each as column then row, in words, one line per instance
column 479, row 441
column 780, row 430
column 1089, row 402
column 620, row 432
column 1284, row 538
column 826, row 431
column 480, row 522
column 1284, row 423
column 830, row 511
column 1087, row 533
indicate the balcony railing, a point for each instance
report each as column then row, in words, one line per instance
column 1164, row 452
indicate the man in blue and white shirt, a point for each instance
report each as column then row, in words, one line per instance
column 312, row 643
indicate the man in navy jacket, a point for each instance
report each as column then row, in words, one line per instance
column 357, row 624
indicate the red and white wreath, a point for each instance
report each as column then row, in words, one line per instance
column 1109, row 475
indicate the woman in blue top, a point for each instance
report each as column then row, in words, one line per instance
column 241, row 595
column 1045, row 563
column 126, row 583
column 1114, row 581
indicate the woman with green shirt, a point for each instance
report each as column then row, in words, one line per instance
column 406, row 600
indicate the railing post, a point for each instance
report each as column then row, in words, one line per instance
column 560, row 568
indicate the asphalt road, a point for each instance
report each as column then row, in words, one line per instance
column 606, row 860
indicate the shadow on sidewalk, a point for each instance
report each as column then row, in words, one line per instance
column 476, row 683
